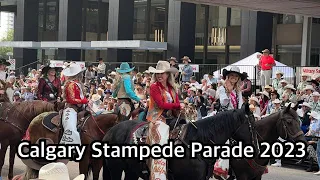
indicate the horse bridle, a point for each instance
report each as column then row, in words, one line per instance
column 287, row 132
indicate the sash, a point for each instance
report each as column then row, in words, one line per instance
column 53, row 89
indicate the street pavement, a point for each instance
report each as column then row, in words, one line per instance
column 275, row 173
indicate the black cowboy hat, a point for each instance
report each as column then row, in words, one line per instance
column 244, row 76
column 233, row 69
column 45, row 69
column 4, row 62
column 99, row 59
column 314, row 81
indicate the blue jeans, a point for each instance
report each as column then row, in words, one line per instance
column 318, row 152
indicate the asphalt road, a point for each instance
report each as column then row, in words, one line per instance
column 275, row 173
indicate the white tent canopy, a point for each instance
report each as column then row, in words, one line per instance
column 248, row 65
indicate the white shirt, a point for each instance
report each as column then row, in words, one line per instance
column 101, row 68
column 3, row 75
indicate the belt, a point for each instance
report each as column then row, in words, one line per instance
column 266, row 69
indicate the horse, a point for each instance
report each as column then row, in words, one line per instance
column 91, row 129
column 14, row 120
column 284, row 124
column 217, row 129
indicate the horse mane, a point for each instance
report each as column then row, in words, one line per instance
column 32, row 108
column 212, row 127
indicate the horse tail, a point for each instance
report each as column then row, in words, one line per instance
column 106, row 173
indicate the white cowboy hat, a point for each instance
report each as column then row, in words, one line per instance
column 254, row 99
column 108, row 83
column 233, row 69
column 100, row 89
column 162, row 67
column 103, row 78
column 279, row 72
column 95, row 97
column 72, row 70
column 276, row 101
column 65, row 64
column 306, row 104
column 113, row 73
column 315, row 93
column 314, row 114
column 304, row 74
column 186, row 58
column 289, row 86
column 192, row 89
column 267, row 87
column 308, row 87
column 55, row 171
column 265, row 93
column 284, row 81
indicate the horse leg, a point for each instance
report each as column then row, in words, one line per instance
column 112, row 169
column 11, row 158
column 84, row 165
column 3, row 150
column 96, row 167
column 258, row 178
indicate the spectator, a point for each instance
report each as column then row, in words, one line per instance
column 281, row 88
column 268, row 88
column 89, row 75
column 211, row 79
column 276, row 81
column 246, row 86
column 306, row 108
column 194, row 82
column 276, row 106
column 274, row 95
column 315, row 85
column 289, row 90
column 266, row 63
column 201, row 105
column 192, row 95
column 187, row 70
column 3, row 68
column 254, row 107
column 204, row 86
column 173, row 63
column 306, row 94
column 101, row 69
column 303, row 83
column 315, row 103
column 28, row 95
column 264, row 100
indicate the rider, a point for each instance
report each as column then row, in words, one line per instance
column 124, row 90
column 75, row 101
column 163, row 100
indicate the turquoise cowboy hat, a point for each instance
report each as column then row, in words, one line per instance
column 124, row 68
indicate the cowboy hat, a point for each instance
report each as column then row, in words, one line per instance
column 279, row 72
column 55, row 171
column 162, row 67
column 186, row 58
column 113, row 73
column 315, row 93
column 306, row 104
column 267, row 87
column 290, row 86
column 4, row 62
column 304, row 74
column 276, row 101
column 34, row 163
column 95, row 97
column 99, row 59
column 46, row 69
column 233, row 69
column 146, row 72
column 254, row 99
column 173, row 59
column 103, row 78
column 72, row 69
column 266, row 51
column 284, row 81
column 275, row 92
column 192, row 89
column 265, row 93
column 308, row 87
column 314, row 82
column 314, row 114
column 124, row 68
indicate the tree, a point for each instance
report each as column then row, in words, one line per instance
column 5, row 50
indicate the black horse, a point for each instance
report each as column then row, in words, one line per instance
column 219, row 128
column 284, row 124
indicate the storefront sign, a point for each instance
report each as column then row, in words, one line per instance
column 55, row 63
column 195, row 67
column 13, row 64
column 311, row 71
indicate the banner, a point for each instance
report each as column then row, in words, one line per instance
column 195, row 67
column 13, row 64
column 56, row 63
column 311, row 71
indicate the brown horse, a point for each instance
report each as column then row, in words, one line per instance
column 284, row 124
column 92, row 129
column 14, row 120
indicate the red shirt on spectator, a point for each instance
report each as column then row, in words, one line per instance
column 264, row 60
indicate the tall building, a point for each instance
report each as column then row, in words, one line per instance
column 7, row 23
column 150, row 30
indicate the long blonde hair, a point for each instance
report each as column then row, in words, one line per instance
column 170, row 80
column 237, row 85
column 78, row 77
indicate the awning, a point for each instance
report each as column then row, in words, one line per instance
column 93, row 45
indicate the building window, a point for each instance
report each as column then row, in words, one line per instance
column 289, row 19
column 235, row 17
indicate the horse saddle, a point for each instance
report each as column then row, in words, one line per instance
column 53, row 121
column 140, row 133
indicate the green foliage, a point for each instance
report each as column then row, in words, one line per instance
column 5, row 50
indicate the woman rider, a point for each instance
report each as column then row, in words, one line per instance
column 163, row 100
column 75, row 100
column 49, row 87
column 124, row 90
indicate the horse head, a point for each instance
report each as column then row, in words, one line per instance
column 6, row 92
column 288, row 125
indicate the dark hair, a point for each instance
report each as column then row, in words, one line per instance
column 200, row 91
column 193, row 78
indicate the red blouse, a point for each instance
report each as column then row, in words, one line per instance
column 72, row 93
column 155, row 93
column 44, row 89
